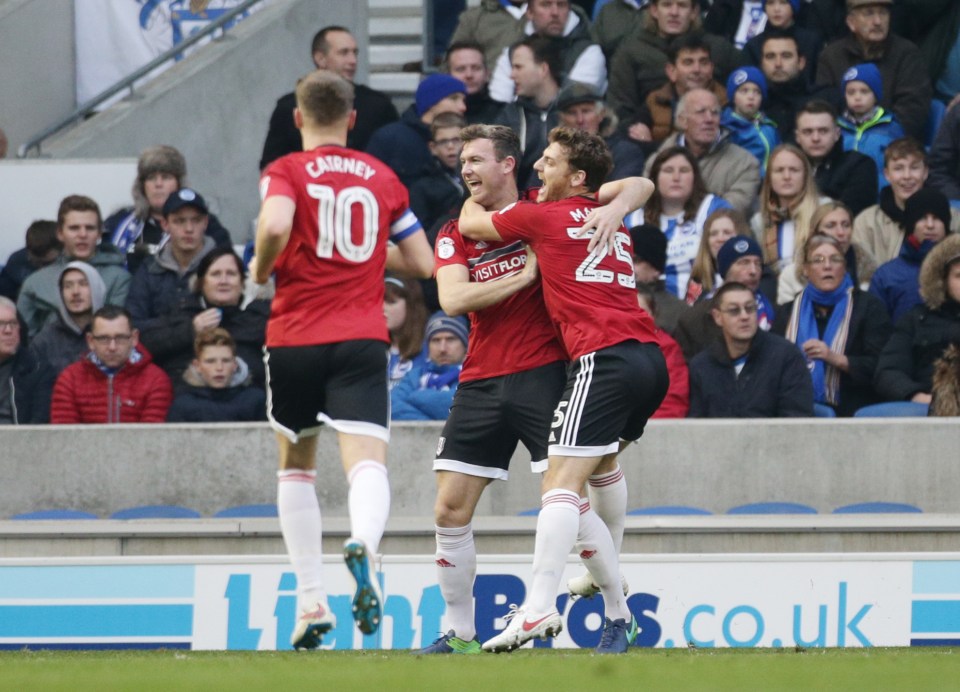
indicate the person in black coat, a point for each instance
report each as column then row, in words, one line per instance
column 217, row 301
column 333, row 48
column 865, row 327
column 748, row 373
column 218, row 385
column 21, row 377
column 42, row 248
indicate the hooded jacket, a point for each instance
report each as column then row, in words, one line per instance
column 759, row 136
column 871, row 137
column 139, row 392
column 39, row 300
column 236, row 403
column 906, row 363
column 895, row 282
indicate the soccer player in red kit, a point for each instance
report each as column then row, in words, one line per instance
column 325, row 219
column 615, row 381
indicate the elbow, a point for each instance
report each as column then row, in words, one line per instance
column 424, row 268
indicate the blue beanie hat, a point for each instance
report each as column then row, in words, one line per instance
column 741, row 76
column 736, row 247
column 435, row 88
column 795, row 4
column 868, row 74
column 442, row 322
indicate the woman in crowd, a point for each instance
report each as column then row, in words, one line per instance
column 840, row 328
column 905, row 368
column 680, row 205
column 406, row 316
column 217, row 301
column 788, row 199
column 719, row 227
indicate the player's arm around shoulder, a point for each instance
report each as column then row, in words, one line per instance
column 619, row 198
column 476, row 222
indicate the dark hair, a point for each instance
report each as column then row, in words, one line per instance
column 319, row 43
column 780, row 33
column 463, row 45
column 77, row 203
column 691, row 41
column 585, row 152
column 817, row 107
column 112, row 312
column 409, row 337
column 654, row 206
column 728, row 287
column 218, row 336
column 324, row 97
column 211, row 257
column 545, row 51
column 505, row 140
column 42, row 238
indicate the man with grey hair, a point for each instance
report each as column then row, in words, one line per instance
column 729, row 170
column 906, row 83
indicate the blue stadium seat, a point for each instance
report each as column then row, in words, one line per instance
column 156, row 512
column 893, row 409
column 56, row 514
column 248, row 511
column 668, row 510
column 938, row 109
column 529, row 512
column 877, row 508
column 823, row 411
column 772, row 508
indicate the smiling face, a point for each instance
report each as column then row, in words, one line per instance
column 825, row 267
column 486, row 178
column 693, row 70
column 906, row 175
column 553, row 169
column 223, row 282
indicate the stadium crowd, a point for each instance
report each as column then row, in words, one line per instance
column 806, row 153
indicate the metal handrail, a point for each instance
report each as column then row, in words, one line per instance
column 84, row 109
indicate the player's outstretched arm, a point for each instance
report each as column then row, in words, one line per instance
column 273, row 233
column 476, row 222
column 412, row 257
column 458, row 295
column 619, row 197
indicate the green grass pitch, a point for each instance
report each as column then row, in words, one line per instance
column 390, row 671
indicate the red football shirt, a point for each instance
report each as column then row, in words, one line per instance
column 592, row 298
column 514, row 335
column 330, row 275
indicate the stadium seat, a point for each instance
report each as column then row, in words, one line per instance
column 56, row 514
column 266, row 510
column 668, row 510
column 823, row 411
column 893, row 409
column 156, row 512
column 529, row 512
column 937, row 110
column 877, row 508
column 772, row 508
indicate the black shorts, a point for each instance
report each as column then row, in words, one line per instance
column 609, row 396
column 489, row 416
column 343, row 385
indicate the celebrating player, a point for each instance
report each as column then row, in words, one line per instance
column 323, row 227
column 615, row 381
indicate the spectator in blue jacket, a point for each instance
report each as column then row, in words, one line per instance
column 219, row 390
column 749, row 127
column 865, row 126
column 426, row 391
column 926, row 217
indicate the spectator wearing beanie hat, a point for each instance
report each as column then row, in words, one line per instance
column 740, row 259
column 749, row 126
column 649, row 262
column 865, row 125
column 426, row 391
column 137, row 231
column 926, row 220
column 403, row 145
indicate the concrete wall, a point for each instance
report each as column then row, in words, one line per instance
column 710, row 464
column 37, row 67
column 215, row 105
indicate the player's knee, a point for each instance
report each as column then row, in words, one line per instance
column 451, row 512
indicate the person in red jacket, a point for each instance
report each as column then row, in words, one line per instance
column 115, row 382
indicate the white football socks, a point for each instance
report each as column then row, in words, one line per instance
column 456, row 560
column 557, row 528
column 368, row 502
column 595, row 546
column 608, row 498
column 300, row 523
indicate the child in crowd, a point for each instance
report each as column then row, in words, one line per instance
column 865, row 125
column 219, row 382
column 749, row 127
column 437, row 194
column 782, row 17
